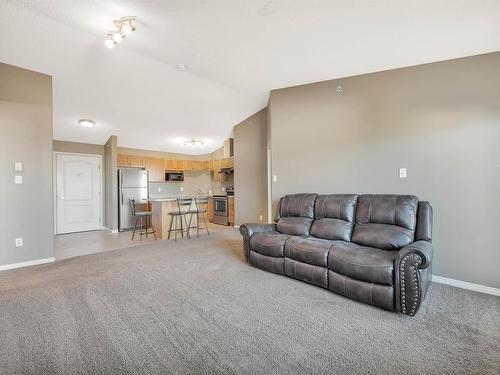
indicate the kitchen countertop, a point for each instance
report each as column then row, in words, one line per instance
column 173, row 198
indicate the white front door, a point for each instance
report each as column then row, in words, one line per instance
column 78, row 193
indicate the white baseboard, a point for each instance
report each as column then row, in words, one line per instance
column 236, row 226
column 466, row 285
column 114, row 231
column 35, row 262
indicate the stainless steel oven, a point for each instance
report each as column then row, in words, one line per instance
column 221, row 211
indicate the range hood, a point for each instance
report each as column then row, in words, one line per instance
column 229, row 170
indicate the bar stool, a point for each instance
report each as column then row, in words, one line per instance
column 201, row 204
column 144, row 219
column 183, row 208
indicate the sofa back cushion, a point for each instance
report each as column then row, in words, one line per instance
column 385, row 221
column 296, row 212
column 334, row 216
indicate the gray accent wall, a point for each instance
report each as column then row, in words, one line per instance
column 111, row 183
column 250, row 164
column 441, row 121
column 26, row 136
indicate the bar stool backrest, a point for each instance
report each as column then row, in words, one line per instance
column 131, row 202
column 133, row 206
column 184, row 204
column 201, row 203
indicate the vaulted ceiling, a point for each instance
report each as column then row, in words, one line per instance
column 235, row 52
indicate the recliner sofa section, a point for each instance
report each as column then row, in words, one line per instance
column 371, row 248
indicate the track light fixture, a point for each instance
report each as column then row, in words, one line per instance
column 123, row 27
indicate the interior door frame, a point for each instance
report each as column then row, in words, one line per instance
column 54, row 184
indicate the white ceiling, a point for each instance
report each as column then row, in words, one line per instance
column 235, row 51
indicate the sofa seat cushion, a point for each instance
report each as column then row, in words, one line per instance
column 308, row 250
column 374, row 294
column 309, row 273
column 362, row 263
column 269, row 243
column 267, row 263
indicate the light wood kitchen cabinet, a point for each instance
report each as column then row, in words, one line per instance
column 168, row 164
column 180, row 165
column 210, row 209
column 224, row 162
column 207, row 165
column 230, row 201
column 136, row 161
column 188, row 165
column 155, row 168
column 231, row 161
column 174, row 165
column 196, row 165
column 122, row 160
column 130, row 161
column 216, row 166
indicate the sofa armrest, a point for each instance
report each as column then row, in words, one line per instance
column 247, row 230
column 413, row 273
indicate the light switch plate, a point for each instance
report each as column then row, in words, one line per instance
column 159, row 189
column 260, row 217
column 182, row 188
column 223, row 188
column 19, row 242
column 18, row 179
column 402, row 172
column 18, row 166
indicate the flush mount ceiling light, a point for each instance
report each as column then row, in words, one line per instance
column 123, row 27
column 86, row 123
column 193, row 143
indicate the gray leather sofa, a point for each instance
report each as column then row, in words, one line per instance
column 371, row 248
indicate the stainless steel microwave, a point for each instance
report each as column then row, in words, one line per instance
column 174, row 176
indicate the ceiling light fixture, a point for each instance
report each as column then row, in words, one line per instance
column 86, row 123
column 194, row 143
column 109, row 42
column 123, row 27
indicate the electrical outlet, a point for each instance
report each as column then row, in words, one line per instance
column 19, row 242
column 275, row 178
column 182, row 188
column 260, row 217
column 159, row 190
column 18, row 166
column 18, row 179
column 223, row 188
column 402, row 172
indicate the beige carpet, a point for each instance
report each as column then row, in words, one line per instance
column 195, row 307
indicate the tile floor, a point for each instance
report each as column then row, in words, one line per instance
column 83, row 243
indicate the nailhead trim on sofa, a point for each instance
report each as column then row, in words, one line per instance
column 409, row 283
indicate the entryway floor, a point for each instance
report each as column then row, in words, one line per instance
column 83, row 243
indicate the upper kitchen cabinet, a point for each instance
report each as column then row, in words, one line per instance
column 155, row 168
column 196, row 165
column 174, row 165
column 227, row 162
column 207, row 165
column 216, row 166
column 130, row 161
column 180, row 165
column 122, row 160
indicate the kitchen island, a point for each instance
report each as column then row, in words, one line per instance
column 161, row 218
